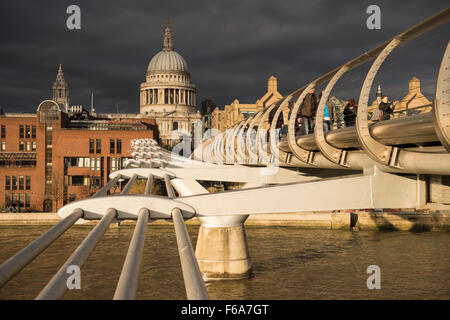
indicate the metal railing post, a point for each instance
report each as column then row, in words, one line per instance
column 149, row 185
column 108, row 186
column 13, row 265
column 129, row 184
column 127, row 285
column 193, row 282
column 57, row 286
column 169, row 188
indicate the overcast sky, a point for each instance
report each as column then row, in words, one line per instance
column 231, row 47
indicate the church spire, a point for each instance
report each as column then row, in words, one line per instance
column 61, row 90
column 168, row 42
column 379, row 93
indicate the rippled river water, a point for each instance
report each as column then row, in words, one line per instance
column 288, row 263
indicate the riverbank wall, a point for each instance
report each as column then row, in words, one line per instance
column 405, row 221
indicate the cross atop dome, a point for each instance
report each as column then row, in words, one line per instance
column 168, row 42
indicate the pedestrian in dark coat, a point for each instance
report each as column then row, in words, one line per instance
column 350, row 111
column 386, row 106
column 307, row 111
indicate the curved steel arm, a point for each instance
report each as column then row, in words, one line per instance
column 261, row 136
column 241, row 138
column 441, row 105
column 276, row 153
column 304, row 155
column 382, row 154
column 333, row 154
column 252, row 157
column 229, row 143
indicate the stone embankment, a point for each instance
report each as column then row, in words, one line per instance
column 319, row 220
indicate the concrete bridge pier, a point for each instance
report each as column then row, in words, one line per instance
column 222, row 249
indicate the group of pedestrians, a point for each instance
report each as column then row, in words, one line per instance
column 337, row 113
column 333, row 116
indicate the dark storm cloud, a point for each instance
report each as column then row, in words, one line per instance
column 231, row 47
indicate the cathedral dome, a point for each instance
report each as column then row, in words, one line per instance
column 167, row 61
column 167, row 88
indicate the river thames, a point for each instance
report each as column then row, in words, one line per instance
column 288, row 263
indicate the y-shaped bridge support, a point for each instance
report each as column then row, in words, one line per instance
column 222, row 248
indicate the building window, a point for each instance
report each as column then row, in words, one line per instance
column 95, row 182
column 14, row 200
column 98, row 146
column 95, row 163
column 48, row 138
column 27, row 132
column 27, row 200
column 115, row 164
column 91, row 145
column 72, row 162
column 48, row 156
column 77, row 162
column 21, row 131
column 7, row 182
column 124, row 159
column 48, row 187
column 119, row 146
column 7, row 199
column 175, row 125
column 21, row 146
column 28, row 146
column 79, row 180
column 3, row 135
column 28, row 183
column 3, row 145
column 33, row 132
column 21, row 182
column 111, row 146
column 21, row 199
column 14, row 182
column 33, row 145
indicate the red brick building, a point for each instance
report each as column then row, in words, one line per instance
column 60, row 154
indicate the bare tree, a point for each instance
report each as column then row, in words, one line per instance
column 84, row 192
column 58, row 189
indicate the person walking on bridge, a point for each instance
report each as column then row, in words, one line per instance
column 307, row 111
column 350, row 112
column 386, row 108
column 328, row 118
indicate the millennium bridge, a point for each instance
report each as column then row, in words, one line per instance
column 400, row 163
